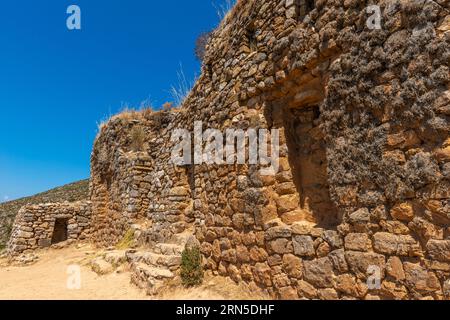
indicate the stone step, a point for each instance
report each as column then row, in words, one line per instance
column 148, row 277
column 171, row 262
column 154, row 272
column 116, row 257
column 181, row 238
column 168, row 249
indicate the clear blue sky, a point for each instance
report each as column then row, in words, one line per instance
column 56, row 84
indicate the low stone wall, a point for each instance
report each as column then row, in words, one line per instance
column 34, row 226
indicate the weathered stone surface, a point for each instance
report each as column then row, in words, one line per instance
column 446, row 288
column 350, row 286
column 258, row 254
column 101, row 267
column 281, row 246
column 303, row 246
column 242, row 254
column 439, row 250
column 357, row 242
column 278, row 232
column 288, row 293
column 333, row 239
column 394, row 268
column 319, row 272
column 393, row 290
column 337, row 257
column 293, row 266
column 275, row 260
column 359, row 262
column 328, row 294
column 323, row 249
column 262, row 274
column 116, row 258
column 44, row 243
column 395, row 227
column 306, row 290
column 361, row 216
column 401, row 245
column 426, row 229
column 302, row 227
column 419, row 279
column 403, row 211
column 287, row 203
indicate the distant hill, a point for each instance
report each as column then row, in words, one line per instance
column 71, row 192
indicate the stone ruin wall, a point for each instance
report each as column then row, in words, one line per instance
column 35, row 225
column 140, row 190
column 381, row 100
column 364, row 163
column 364, row 169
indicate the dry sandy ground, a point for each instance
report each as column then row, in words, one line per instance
column 47, row 280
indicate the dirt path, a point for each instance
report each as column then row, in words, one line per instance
column 47, row 280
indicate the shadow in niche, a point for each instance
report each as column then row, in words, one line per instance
column 60, row 231
column 308, row 162
column 303, row 7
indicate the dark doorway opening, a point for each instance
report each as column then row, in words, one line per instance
column 60, row 231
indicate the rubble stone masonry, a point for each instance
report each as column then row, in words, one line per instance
column 40, row 226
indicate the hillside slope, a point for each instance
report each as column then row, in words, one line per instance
column 71, row 192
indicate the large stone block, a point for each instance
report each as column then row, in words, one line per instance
column 419, row 279
column 303, row 246
column 262, row 274
column 337, row 257
column 293, row 266
column 319, row 272
column 357, row 242
column 403, row 211
column 333, row 239
column 306, row 290
column 349, row 285
column 278, row 232
column 281, row 246
column 44, row 243
column 400, row 245
column 394, row 268
column 359, row 263
column 439, row 250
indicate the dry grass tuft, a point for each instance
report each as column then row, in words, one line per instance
column 213, row 288
column 127, row 240
column 137, row 138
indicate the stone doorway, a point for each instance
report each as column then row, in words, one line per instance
column 60, row 230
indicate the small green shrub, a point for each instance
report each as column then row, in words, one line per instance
column 191, row 267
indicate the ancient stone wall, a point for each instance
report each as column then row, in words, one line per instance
column 363, row 185
column 40, row 226
column 141, row 186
